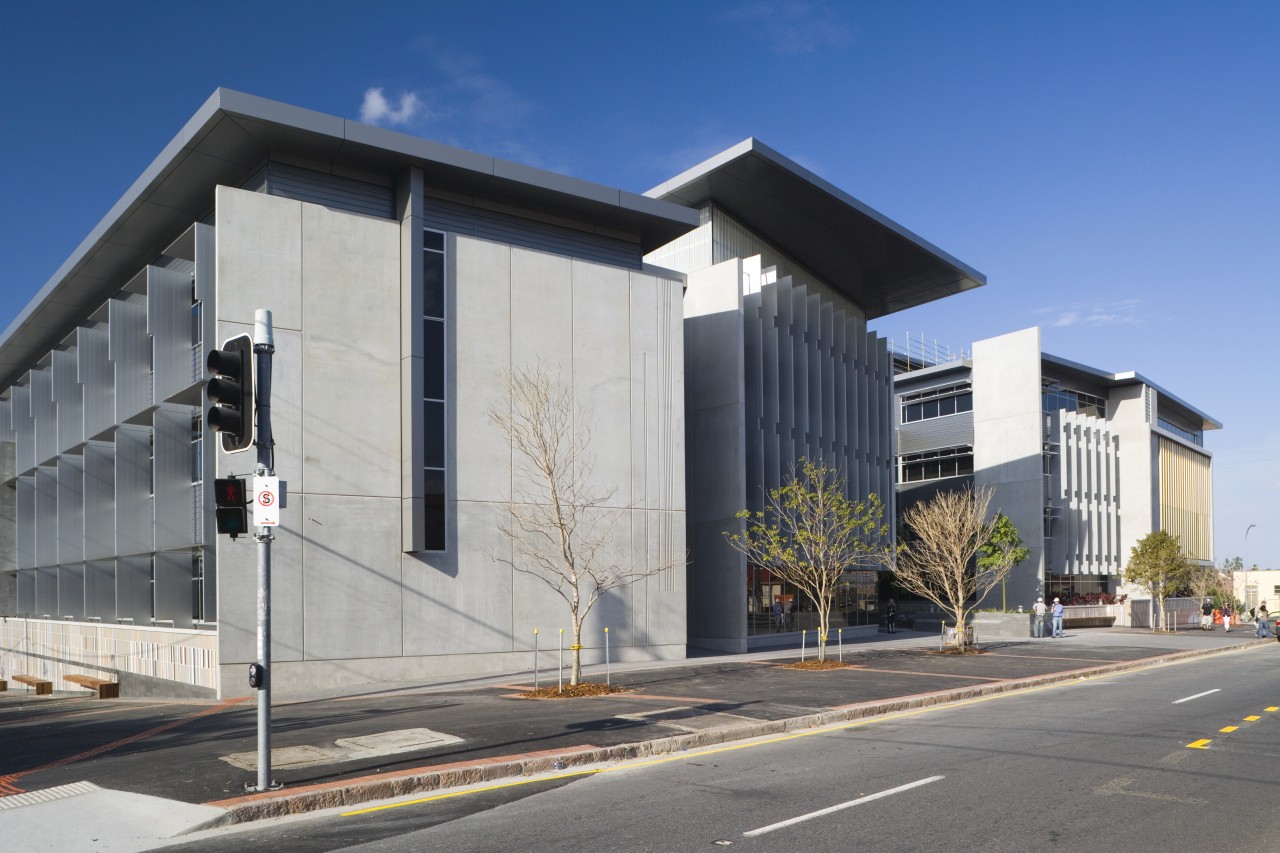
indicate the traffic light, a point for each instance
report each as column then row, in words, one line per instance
column 229, row 506
column 231, row 392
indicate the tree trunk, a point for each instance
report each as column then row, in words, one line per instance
column 576, row 672
column 824, row 619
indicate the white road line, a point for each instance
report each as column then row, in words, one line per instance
column 783, row 824
column 1197, row 696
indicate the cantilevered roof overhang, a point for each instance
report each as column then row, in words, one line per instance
column 1115, row 380
column 233, row 134
column 871, row 259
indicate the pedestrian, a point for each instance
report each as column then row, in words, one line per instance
column 1264, row 622
column 1057, row 618
column 1206, row 615
column 1037, row 625
column 891, row 616
column 777, row 615
column 1226, row 618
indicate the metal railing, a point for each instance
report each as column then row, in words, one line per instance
column 919, row 353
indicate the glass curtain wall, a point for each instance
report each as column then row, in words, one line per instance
column 855, row 603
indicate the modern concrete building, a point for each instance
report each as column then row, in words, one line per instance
column 1084, row 462
column 405, row 278
column 784, row 271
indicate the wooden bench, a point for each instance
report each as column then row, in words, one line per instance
column 42, row 687
column 107, row 689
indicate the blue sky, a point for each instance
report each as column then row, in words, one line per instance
column 1111, row 167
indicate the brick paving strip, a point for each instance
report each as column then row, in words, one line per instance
column 350, row 792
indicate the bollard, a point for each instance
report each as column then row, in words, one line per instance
column 560, row 674
column 803, row 636
column 608, row 679
column 535, row 658
column 840, row 642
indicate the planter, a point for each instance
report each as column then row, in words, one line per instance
column 1003, row 626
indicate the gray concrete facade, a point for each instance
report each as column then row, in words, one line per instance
column 780, row 365
column 713, row 330
column 322, row 221
column 1085, row 463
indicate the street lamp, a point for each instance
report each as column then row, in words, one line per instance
column 1246, row 545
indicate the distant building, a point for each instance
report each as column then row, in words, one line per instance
column 1084, row 462
column 1259, row 587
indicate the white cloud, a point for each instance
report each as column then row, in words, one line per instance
column 1120, row 313
column 793, row 27
column 377, row 110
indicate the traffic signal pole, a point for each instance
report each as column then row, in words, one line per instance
column 263, row 348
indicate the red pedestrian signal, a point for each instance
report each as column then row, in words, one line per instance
column 229, row 503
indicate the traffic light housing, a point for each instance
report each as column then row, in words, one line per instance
column 231, row 392
column 229, row 506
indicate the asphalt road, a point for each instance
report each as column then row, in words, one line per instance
column 1135, row 762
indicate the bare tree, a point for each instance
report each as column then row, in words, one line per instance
column 946, row 535
column 810, row 534
column 559, row 520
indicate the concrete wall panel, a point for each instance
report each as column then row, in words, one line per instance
column 480, row 327
column 466, row 609
column 605, row 374
column 259, row 257
column 353, row 592
column 351, row 341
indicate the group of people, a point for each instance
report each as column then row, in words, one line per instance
column 1055, row 612
column 1260, row 615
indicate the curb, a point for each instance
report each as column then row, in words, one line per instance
column 352, row 792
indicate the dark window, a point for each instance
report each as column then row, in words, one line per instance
column 434, row 493
column 964, row 402
column 433, row 284
column 434, row 405
column 433, row 359
column 433, row 433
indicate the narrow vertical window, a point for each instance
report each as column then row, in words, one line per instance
column 434, row 405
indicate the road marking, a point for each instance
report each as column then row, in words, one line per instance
column 468, row 791
column 823, row 730
column 833, row 809
column 1252, row 719
column 1197, row 696
column 1199, row 744
column 1272, row 709
column 1228, row 728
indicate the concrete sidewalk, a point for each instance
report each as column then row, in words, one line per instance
column 394, row 739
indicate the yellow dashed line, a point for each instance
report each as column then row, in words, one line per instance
column 1252, row 719
column 1228, row 728
column 1199, row 744
column 1273, row 709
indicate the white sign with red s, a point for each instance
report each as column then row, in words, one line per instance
column 266, row 501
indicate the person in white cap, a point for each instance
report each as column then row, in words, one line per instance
column 1057, row 618
column 1037, row 626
